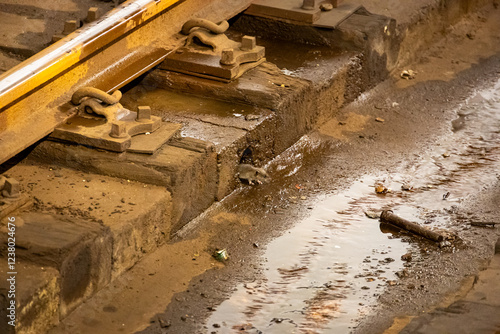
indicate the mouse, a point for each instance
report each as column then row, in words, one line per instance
column 252, row 174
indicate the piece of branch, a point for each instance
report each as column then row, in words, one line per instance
column 483, row 224
column 389, row 217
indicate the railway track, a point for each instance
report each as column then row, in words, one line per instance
column 122, row 172
column 105, row 54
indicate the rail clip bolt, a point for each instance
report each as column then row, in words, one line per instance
column 308, row 4
column 227, row 57
column 70, row 26
column 143, row 114
column 92, row 14
column 248, row 43
column 11, row 188
column 118, row 130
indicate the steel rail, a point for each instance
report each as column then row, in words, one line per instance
column 115, row 46
column 63, row 54
column 106, row 54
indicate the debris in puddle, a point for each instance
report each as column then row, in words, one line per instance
column 408, row 74
column 389, row 217
column 402, row 273
column 406, row 257
column 380, row 120
column 221, row 255
column 483, row 224
column 373, row 214
column 251, row 117
column 293, row 270
column 164, row 323
column 406, row 187
column 444, row 243
column 381, row 189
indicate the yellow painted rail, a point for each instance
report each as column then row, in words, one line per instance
column 67, row 52
column 106, row 54
column 32, row 94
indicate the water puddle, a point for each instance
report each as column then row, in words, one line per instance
column 326, row 271
column 327, row 267
column 166, row 102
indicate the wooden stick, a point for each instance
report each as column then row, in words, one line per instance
column 483, row 223
column 389, row 217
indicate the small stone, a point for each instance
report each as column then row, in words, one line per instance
column 471, row 35
column 406, row 257
column 372, row 214
column 402, row 273
column 326, row 7
column 380, row 120
column 406, row 187
column 251, row 117
column 444, row 243
column 408, row 74
column 216, row 325
column 164, row 323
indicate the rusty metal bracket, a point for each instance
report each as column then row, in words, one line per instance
column 102, row 122
column 11, row 197
column 209, row 53
column 322, row 14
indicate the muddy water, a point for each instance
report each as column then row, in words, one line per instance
column 326, row 272
column 320, row 274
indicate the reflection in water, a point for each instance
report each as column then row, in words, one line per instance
column 327, row 270
column 324, row 269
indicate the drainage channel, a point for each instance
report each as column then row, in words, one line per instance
column 329, row 269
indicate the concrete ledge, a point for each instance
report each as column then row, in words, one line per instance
column 86, row 229
column 189, row 173
column 80, row 250
column 37, row 298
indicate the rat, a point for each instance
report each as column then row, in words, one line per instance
column 252, row 174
